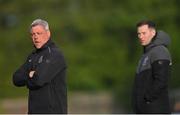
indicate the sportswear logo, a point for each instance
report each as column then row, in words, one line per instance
column 47, row 61
column 145, row 61
column 40, row 59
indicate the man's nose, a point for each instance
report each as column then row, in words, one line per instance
column 141, row 37
column 35, row 37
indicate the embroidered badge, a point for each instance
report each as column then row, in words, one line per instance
column 160, row 62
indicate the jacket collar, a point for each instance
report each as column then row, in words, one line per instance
column 149, row 46
column 161, row 38
column 46, row 45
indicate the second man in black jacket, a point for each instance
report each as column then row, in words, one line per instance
column 150, row 94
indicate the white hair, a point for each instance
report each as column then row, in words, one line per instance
column 40, row 22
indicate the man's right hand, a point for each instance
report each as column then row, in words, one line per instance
column 31, row 73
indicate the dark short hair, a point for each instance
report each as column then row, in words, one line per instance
column 150, row 23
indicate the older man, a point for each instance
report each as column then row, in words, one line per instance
column 44, row 73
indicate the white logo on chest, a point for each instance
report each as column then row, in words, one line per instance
column 145, row 61
column 40, row 59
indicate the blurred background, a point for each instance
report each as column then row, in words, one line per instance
column 98, row 39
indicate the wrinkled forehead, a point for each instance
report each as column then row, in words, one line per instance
column 38, row 26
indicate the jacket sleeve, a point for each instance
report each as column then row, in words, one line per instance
column 21, row 75
column 160, row 73
column 46, row 71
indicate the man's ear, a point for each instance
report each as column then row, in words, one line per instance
column 153, row 32
column 49, row 33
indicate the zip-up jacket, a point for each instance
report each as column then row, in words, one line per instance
column 47, row 87
column 150, row 94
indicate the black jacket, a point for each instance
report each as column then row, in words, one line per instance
column 47, row 88
column 150, row 94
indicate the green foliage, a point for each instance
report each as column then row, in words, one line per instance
column 98, row 38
